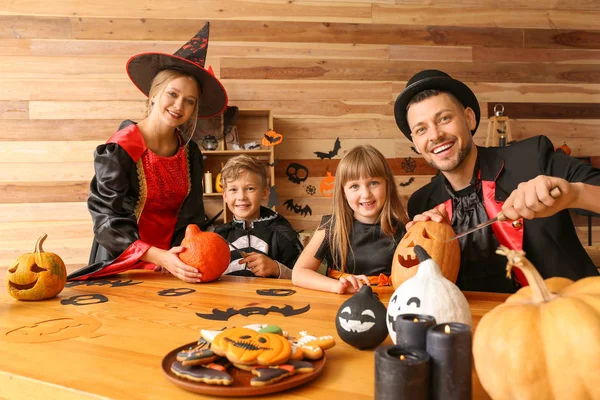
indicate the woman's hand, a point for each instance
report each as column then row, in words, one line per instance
column 437, row 214
column 260, row 264
column 351, row 283
column 170, row 261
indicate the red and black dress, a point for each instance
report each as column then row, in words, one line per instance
column 139, row 199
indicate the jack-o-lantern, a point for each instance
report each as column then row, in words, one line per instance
column 218, row 184
column 248, row 347
column 36, row 276
column 271, row 138
column 327, row 185
column 429, row 293
column 432, row 237
column 360, row 321
column 205, row 251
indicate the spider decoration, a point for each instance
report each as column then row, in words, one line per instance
column 408, row 164
column 310, row 189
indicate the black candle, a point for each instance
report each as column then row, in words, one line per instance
column 401, row 373
column 450, row 348
column 411, row 330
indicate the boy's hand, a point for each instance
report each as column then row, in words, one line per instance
column 260, row 264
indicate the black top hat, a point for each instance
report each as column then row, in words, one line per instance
column 438, row 80
column 190, row 58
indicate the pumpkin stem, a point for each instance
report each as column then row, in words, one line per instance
column 516, row 258
column 421, row 253
column 38, row 244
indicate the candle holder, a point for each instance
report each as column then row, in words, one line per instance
column 401, row 373
column 411, row 330
column 450, row 348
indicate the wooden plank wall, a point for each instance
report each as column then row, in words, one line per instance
column 328, row 69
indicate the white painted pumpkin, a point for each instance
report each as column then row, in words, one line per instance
column 429, row 293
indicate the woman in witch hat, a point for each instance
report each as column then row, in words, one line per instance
column 148, row 176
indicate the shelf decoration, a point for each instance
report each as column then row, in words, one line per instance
column 272, row 138
column 498, row 133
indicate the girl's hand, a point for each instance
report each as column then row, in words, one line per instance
column 170, row 261
column 260, row 264
column 351, row 284
column 437, row 214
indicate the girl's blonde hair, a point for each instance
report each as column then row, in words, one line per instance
column 159, row 83
column 359, row 163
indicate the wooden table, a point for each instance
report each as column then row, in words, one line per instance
column 114, row 349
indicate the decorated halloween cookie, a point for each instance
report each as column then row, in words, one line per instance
column 312, row 347
column 248, row 347
column 213, row 375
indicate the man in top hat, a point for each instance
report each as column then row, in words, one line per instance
column 439, row 115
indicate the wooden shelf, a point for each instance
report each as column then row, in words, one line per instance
column 212, row 194
column 235, row 152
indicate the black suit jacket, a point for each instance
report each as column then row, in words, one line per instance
column 551, row 244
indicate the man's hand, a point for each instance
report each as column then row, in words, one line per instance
column 437, row 214
column 532, row 199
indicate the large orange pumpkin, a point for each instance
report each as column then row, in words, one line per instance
column 432, row 237
column 544, row 341
column 36, row 276
column 205, row 251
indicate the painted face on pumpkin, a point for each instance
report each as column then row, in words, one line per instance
column 360, row 321
column 401, row 303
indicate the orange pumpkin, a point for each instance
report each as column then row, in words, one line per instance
column 432, row 237
column 564, row 148
column 544, row 341
column 205, row 251
column 36, row 276
column 272, row 138
column 327, row 185
column 248, row 347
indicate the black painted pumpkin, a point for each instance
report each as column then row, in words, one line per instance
column 360, row 321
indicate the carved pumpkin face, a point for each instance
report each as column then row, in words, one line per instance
column 360, row 321
column 248, row 347
column 36, row 276
column 327, row 185
column 271, row 138
column 432, row 237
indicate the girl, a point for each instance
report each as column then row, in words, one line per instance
column 361, row 236
column 148, row 177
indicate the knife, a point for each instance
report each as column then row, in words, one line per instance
column 555, row 193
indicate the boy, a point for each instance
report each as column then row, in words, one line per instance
column 270, row 244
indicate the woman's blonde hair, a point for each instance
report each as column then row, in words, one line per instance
column 359, row 163
column 159, row 83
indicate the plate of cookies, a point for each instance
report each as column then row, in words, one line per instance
column 251, row 360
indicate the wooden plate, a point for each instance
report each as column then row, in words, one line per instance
column 241, row 379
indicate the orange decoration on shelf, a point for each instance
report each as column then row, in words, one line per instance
column 564, row 148
column 327, row 185
column 272, row 138
column 36, row 276
column 205, row 251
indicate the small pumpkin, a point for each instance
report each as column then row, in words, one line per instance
column 271, row 138
column 205, row 251
column 327, row 185
column 547, row 333
column 428, row 293
column 36, row 276
column 248, row 347
column 432, row 237
column 360, row 320
column 218, row 184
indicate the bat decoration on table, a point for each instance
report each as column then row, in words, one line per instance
column 408, row 182
column 297, row 208
column 336, row 148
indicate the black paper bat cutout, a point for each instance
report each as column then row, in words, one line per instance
column 103, row 282
column 271, row 139
column 273, row 198
column 336, row 148
column 275, row 162
column 220, row 315
column 297, row 208
column 85, row 299
column 414, row 150
column 275, row 292
column 408, row 182
column 252, row 147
